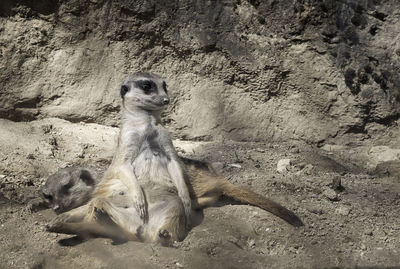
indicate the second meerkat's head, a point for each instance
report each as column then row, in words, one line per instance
column 145, row 91
column 69, row 188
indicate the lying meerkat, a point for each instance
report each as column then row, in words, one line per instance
column 143, row 195
column 67, row 189
column 70, row 187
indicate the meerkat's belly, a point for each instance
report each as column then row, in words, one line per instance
column 151, row 167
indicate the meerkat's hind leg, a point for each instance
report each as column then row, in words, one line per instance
column 167, row 223
column 75, row 215
column 176, row 230
column 89, row 229
column 126, row 219
column 100, row 221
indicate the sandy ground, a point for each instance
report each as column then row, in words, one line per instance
column 354, row 227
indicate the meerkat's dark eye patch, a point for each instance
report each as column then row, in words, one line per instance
column 124, row 90
column 164, row 85
column 65, row 190
column 147, row 86
column 86, row 177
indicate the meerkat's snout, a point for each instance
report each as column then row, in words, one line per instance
column 165, row 101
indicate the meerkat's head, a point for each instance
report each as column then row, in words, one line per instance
column 68, row 188
column 144, row 91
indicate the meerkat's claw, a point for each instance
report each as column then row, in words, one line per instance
column 141, row 209
column 164, row 234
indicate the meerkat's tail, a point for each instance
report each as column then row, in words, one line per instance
column 247, row 196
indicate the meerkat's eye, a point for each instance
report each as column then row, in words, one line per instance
column 164, row 85
column 146, row 86
column 65, row 190
column 124, row 90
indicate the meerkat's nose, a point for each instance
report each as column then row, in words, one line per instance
column 166, row 101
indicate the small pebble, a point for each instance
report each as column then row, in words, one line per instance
column 295, row 150
column 315, row 210
column 301, row 165
column 308, row 169
column 218, row 166
column 178, row 265
column 235, row 165
column 331, row 195
column 251, row 243
column 343, row 210
column 283, row 166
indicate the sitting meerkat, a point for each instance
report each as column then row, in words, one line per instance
column 143, row 195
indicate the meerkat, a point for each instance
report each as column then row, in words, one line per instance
column 206, row 187
column 143, row 195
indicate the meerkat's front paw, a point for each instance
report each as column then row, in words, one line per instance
column 140, row 204
column 187, row 204
column 141, row 209
column 56, row 223
column 53, row 227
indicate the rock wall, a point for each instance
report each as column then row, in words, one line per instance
column 318, row 71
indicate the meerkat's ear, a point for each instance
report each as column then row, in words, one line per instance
column 86, row 177
column 124, row 90
column 66, row 181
